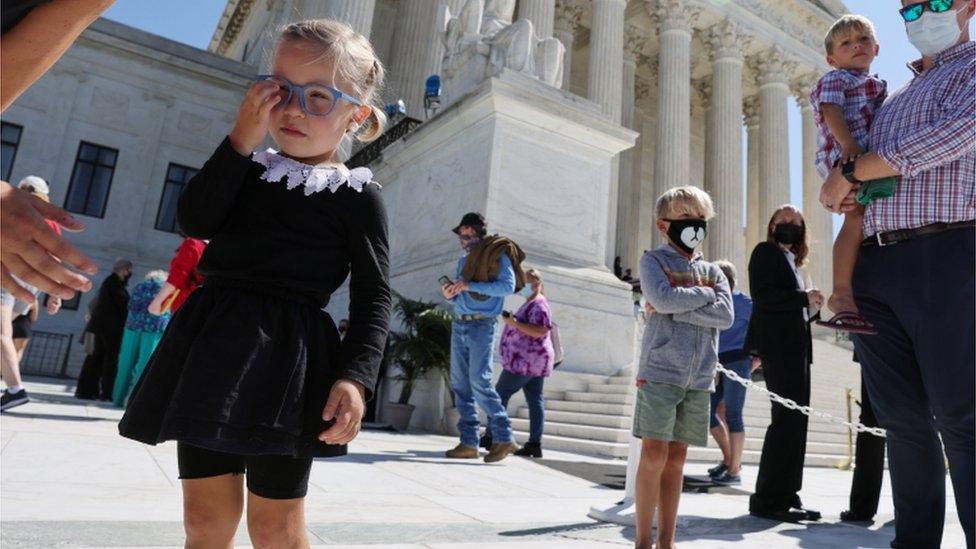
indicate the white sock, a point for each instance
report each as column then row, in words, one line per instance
column 14, row 389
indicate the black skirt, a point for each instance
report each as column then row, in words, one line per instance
column 243, row 369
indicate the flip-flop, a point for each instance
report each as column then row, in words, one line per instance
column 848, row 321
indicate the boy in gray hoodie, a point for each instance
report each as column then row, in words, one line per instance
column 689, row 302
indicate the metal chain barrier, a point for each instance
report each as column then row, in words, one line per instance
column 805, row 410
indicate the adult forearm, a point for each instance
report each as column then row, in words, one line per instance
column 39, row 40
column 871, row 166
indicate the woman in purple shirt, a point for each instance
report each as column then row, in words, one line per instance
column 527, row 358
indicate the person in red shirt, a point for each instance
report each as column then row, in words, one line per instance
column 183, row 277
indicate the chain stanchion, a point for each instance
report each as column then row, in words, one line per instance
column 848, row 464
column 857, row 427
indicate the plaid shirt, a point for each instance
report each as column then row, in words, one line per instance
column 860, row 95
column 927, row 131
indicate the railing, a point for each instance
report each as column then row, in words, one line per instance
column 373, row 151
column 46, row 354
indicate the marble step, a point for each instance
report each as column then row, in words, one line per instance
column 623, row 410
column 608, row 398
column 596, row 420
column 609, row 389
column 572, row 430
column 577, row 445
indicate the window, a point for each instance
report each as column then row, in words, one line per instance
column 66, row 304
column 176, row 178
column 91, row 180
column 9, row 140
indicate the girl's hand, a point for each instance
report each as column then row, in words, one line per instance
column 254, row 116
column 346, row 404
column 755, row 364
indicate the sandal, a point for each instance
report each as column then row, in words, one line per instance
column 848, row 321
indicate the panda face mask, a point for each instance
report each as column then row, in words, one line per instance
column 687, row 234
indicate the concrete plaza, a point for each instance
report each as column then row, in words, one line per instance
column 69, row 480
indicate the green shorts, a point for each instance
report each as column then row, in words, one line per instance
column 670, row 413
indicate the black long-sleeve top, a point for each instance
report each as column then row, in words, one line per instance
column 777, row 327
column 264, row 233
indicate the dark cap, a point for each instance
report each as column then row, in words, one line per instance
column 471, row 219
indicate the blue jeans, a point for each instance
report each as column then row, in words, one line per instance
column 509, row 383
column 734, row 396
column 471, row 349
column 919, row 373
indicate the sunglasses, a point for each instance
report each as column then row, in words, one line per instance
column 315, row 99
column 912, row 12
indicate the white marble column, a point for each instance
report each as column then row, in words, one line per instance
column 755, row 221
column 564, row 30
column 542, row 14
column 626, row 209
column 358, row 14
column 723, row 175
column 820, row 223
column 417, row 53
column 673, row 135
column 774, row 135
column 606, row 56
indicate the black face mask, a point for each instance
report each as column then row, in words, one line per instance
column 687, row 234
column 788, row 233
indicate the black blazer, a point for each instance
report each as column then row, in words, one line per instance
column 111, row 307
column 776, row 328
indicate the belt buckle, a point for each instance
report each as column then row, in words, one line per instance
column 881, row 242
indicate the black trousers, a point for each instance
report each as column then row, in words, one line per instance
column 868, row 462
column 784, row 448
column 97, row 378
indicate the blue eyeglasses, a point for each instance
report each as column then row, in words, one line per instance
column 912, row 12
column 315, row 99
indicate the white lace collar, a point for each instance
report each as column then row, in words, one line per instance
column 314, row 178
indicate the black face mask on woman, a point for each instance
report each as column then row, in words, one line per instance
column 788, row 233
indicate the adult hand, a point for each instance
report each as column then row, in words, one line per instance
column 459, row 286
column 755, row 364
column 834, row 190
column 346, row 404
column 648, row 308
column 155, row 308
column 815, row 298
column 448, row 291
column 254, row 116
column 850, row 151
column 850, row 201
column 53, row 304
column 31, row 250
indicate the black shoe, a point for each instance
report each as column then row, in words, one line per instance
column 485, row 441
column 851, row 516
column 810, row 513
column 11, row 400
column 530, row 449
column 718, row 470
column 785, row 515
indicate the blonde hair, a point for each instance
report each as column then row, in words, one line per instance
column 845, row 25
column 535, row 275
column 355, row 62
column 684, row 200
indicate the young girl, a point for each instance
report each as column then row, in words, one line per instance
column 250, row 377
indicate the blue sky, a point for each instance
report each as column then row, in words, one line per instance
column 170, row 19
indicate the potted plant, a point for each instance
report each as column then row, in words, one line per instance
column 424, row 346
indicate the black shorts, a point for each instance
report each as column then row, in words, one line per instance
column 272, row 477
column 22, row 326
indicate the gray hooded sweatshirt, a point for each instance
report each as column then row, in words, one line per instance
column 692, row 304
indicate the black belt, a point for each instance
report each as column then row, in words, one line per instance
column 888, row 238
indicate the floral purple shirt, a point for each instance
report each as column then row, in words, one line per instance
column 523, row 354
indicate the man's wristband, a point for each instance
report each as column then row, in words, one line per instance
column 847, row 170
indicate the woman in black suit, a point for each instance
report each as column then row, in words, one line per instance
column 779, row 333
